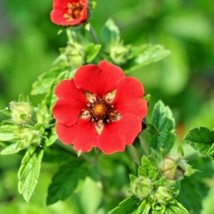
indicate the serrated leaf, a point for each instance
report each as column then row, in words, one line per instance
column 127, row 206
column 147, row 169
column 65, row 181
column 91, row 51
column 147, row 54
column 110, row 32
column 176, row 208
column 164, row 122
column 202, row 140
column 29, row 171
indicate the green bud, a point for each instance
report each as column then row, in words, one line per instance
column 119, row 53
column 173, row 168
column 163, row 195
column 21, row 112
column 141, row 187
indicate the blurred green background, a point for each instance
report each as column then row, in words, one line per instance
column 184, row 80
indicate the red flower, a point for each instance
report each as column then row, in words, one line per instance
column 69, row 12
column 99, row 107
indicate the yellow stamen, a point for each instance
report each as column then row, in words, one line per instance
column 99, row 110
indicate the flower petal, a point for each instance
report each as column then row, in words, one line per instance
column 117, row 135
column 82, row 135
column 66, row 90
column 129, row 98
column 99, row 79
column 66, row 113
column 70, row 104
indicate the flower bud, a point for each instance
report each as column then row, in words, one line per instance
column 119, row 53
column 173, row 168
column 163, row 195
column 141, row 187
column 21, row 112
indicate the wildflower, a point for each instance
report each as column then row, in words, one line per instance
column 99, row 107
column 69, row 12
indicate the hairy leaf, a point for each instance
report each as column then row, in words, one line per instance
column 164, row 122
column 147, row 54
column 202, row 140
column 147, row 169
column 29, row 171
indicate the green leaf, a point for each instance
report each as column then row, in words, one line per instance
column 110, row 32
column 147, row 54
column 202, row 140
column 144, row 208
column 45, row 80
column 65, row 181
column 8, row 132
column 92, row 50
column 14, row 148
column 147, row 169
column 29, row 171
column 24, row 138
column 164, row 122
column 176, row 208
column 127, row 206
column 56, row 155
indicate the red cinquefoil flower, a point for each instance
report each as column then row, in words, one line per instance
column 69, row 12
column 99, row 107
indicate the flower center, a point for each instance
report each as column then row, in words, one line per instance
column 100, row 111
column 74, row 10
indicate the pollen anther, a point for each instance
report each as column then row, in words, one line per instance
column 73, row 11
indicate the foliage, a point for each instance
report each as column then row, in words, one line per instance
column 161, row 172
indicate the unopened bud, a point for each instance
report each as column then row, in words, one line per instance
column 163, row 195
column 173, row 168
column 141, row 187
column 21, row 112
column 119, row 53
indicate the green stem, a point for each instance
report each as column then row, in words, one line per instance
column 94, row 35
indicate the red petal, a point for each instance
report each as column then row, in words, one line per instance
column 82, row 135
column 129, row 99
column 66, row 90
column 137, row 107
column 70, row 104
column 98, row 79
column 117, row 135
column 66, row 113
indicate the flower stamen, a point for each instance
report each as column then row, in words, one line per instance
column 109, row 97
column 91, row 98
column 99, row 126
column 73, row 11
column 100, row 111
